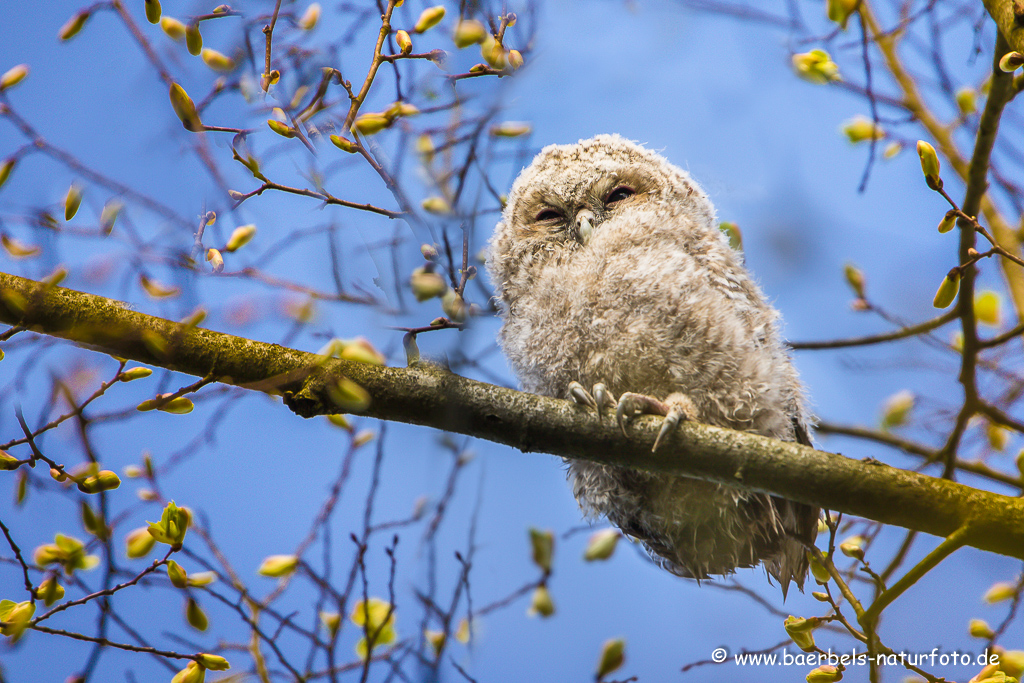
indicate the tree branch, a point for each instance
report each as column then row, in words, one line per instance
column 427, row 395
column 1002, row 11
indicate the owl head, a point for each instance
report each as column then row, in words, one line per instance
column 569, row 194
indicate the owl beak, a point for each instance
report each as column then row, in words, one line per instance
column 584, row 226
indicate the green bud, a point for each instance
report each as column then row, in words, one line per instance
column 193, row 39
column 802, row 631
column 157, row 289
column 891, row 150
column 1012, row 663
column 1000, row 592
column 331, row 621
column 349, row 396
column 371, row 123
column 816, row 66
column 511, row 129
column 436, row 639
column 429, row 18
column 200, row 579
column 282, row 129
column 138, row 543
column 18, row 249
column 17, row 616
column 174, row 29
column 861, row 128
column 820, row 596
column 240, row 236
column 979, row 628
column 929, row 165
column 998, row 436
column 216, row 259
column 454, row 306
column 277, row 566
column 839, row 11
column 425, row 146
column 404, row 42
column 213, row 662
column 542, row 544
column 825, row 673
column 896, row 410
column 948, row 289
column 195, row 616
column 344, row 144
column 601, row 545
column 49, row 591
column 93, row 523
column 13, row 76
column 541, row 603
column 217, row 61
column 72, row 201
column 967, row 100
column 340, row 420
column 174, row 522
column 73, row 25
column 309, row 18
column 819, row 570
column 494, row 53
column 176, row 573
column 855, row 278
column 853, row 547
column 105, row 480
column 8, row 462
column 436, row 205
column 427, row 284
column 185, row 108
column 193, row 673
column 515, row 59
column 109, row 215
column 1011, row 61
column 134, row 373
column 613, row 654
column 21, row 488
column 948, row 221
column 987, row 308
column 5, row 170
column 152, row 11
column 468, row 32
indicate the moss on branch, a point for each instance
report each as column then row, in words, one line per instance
column 427, row 395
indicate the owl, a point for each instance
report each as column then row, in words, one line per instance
column 617, row 290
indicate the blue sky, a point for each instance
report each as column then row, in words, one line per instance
column 715, row 95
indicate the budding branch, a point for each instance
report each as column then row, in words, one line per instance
column 425, row 394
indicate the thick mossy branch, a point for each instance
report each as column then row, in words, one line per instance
column 1010, row 23
column 427, row 395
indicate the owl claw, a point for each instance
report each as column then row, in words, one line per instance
column 581, row 396
column 600, row 399
column 603, row 398
column 675, row 408
column 671, row 421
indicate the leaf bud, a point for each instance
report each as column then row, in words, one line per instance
column 429, row 18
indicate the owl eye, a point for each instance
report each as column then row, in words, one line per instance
column 619, row 193
column 549, row 215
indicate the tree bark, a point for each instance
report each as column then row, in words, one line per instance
column 1005, row 13
column 425, row 394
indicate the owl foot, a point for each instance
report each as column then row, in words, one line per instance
column 675, row 408
column 600, row 399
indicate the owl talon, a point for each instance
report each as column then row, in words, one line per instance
column 631, row 405
column 603, row 398
column 675, row 415
column 581, row 396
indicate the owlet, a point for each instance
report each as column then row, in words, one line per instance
column 614, row 280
